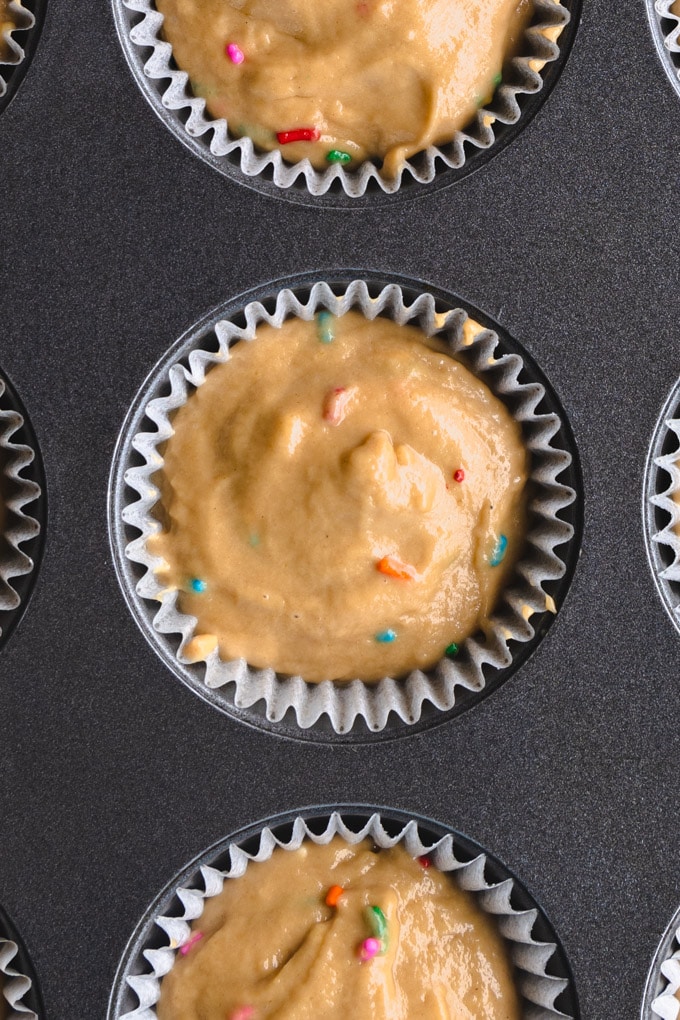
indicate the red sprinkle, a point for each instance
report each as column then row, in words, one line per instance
column 333, row 895
column 458, row 475
column 425, row 861
column 393, row 567
column 196, row 937
column 298, row 135
column 335, row 404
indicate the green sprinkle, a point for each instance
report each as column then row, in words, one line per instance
column 451, row 649
column 338, row 156
column 254, row 540
column 197, row 585
column 324, row 327
column 385, row 637
column 497, row 79
column 377, row 922
column 498, row 554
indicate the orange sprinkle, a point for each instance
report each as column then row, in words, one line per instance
column 393, row 567
column 333, row 895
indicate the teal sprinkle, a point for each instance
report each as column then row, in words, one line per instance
column 324, row 322
column 254, row 540
column 498, row 78
column 338, row 156
column 197, row 585
column 498, row 554
column 377, row 922
column 385, row 637
column 451, row 649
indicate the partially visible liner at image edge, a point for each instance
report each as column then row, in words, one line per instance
column 11, row 53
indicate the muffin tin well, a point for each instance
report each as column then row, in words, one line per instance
column 28, row 15
column 517, row 100
column 542, row 971
column 288, row 706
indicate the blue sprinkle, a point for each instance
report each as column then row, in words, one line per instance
column 197, row 585
column 498, row 554
column 324, row 322
column 386, row 636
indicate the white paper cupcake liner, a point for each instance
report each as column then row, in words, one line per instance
column 162, row 935
column 19, row 492
column 15, row 985
column 344, row 703
column 662, row 505
column 24, row 19
column 139, row 27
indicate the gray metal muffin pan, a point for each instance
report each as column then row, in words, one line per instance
column 115, row 240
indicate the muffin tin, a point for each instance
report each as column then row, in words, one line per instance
column 115, row 241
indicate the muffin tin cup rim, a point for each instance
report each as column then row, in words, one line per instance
column 425, row 714
column 656, row 538
column 16, row 965
column 24, row 536
column 441, row 171
column 657, row 984
column 362, row 820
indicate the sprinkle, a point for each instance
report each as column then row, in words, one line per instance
column 335, row 404
column 378, row 924
column 298, row 135
column 188, row 946
column 497, row 79
column 425, row 862
column 385, row 637
column 197, row 585
column 499, row 551
column 451, row 649
column 393, row 567
column 235, row 53
column 324, row 323
column 459, row 475
column 368, row 949
column 338, row 156
column 333, row 895
column 243, row 1013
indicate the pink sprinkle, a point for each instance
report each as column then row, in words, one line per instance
column 459, row 475
column 243, row 1013
column 424, row 861
column 196, row 937
column 235, row 53
column 368, row 949
column 336, row 403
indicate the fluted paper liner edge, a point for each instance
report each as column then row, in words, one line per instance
column 344, row 703
column 671, row 40
column 24, row 19
column 539, row 988
column 21, row 527
column 190, row 115
column 15, row 985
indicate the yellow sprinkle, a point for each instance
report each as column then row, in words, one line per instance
column 550, row 604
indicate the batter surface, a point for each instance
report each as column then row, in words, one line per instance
column 272, row 947
column 339, row 509
column 372, row 79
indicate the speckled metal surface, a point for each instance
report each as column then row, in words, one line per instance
column 115, row 239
